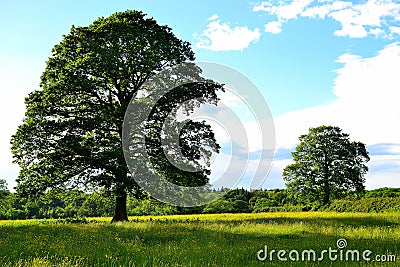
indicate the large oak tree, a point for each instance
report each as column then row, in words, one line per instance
column 325, row 164
column 72, row 131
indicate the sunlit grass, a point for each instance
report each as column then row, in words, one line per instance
column 193, row 240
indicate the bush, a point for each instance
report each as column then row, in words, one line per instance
column 16, row 214
column 219, row 206
column 263, row 204
column 383, row 192
column 380, row 204
column 281, row 209
column 152, row 207
column 96, row 205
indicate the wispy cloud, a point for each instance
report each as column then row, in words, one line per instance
column 380, row 18
column 384, row 149
column 284, row 11
column 383, row 171
column 222, row 37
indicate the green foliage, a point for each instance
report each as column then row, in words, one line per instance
column 326, row 165
column 369, row 204
column 238, row 194
column 383, row 192
column 241, row 206
column 152, row 207
column 55, row 203
column 219, row 206
column 242, row 201
column 263, row 204
column 96, row 204
column 3, row 186
column 5, row 199
column 279, row 209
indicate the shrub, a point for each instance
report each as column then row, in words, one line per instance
column 371, row 204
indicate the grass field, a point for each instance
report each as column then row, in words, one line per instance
column 201, row 240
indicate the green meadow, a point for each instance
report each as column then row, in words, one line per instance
column 200, row 240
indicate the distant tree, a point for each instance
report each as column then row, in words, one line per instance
column 96, row 205
column 238, row 194
column 240, row 206
column 263, row 204
column 383, row 192
column 325, row 164
column 72, row 131
column 279, row 195
column 219, row 206
column 5, row 203
column 3, row 185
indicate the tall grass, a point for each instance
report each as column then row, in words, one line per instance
column 195, row 240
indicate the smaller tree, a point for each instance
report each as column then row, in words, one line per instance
column 5, row 201
column 3, row 185
column 325, row 165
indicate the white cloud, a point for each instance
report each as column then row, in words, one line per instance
column 356, row 18
column 377, row 32
column 351, row 30
column 383, row 172
column 395, row 30
column 373, row 17
column 292, row 10
column 18, row 76
column 273, row 27
column 323, row 10
column 367, row 107
column 263, row 6
column 213, row 17
column 284, row 11
column 372, row 81
column 221, row 37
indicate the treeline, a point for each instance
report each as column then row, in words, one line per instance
column 75, row 203
column 59, row 203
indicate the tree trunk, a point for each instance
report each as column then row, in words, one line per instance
column 326, row 193
column 327, row 189
column 120, row 214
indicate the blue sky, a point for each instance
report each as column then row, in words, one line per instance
column 316, row 62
